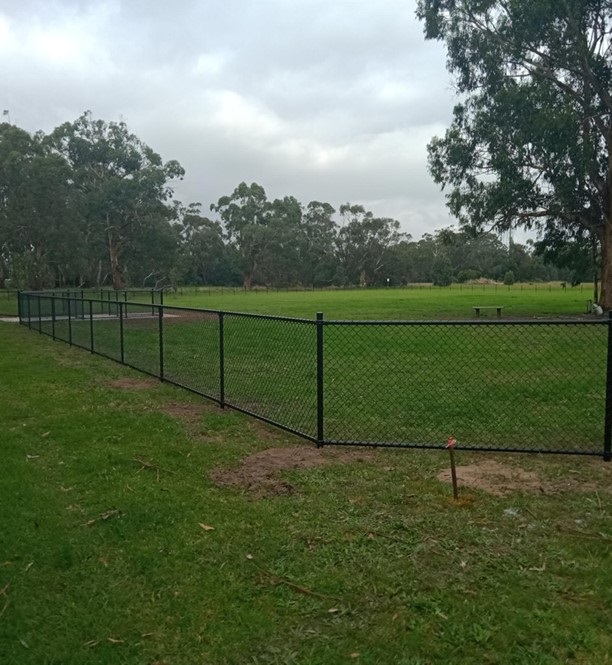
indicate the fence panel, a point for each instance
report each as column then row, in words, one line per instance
column 191, row 349
column 490, row 385
column 270, row 369
column 62, row 324
column 141, row 337
column 46, row 308
column 107, row 330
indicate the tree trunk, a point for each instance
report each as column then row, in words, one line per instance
column 247, row 280
column 594, row 259
column 606, row 268
column 606, row 238
column 113, row 251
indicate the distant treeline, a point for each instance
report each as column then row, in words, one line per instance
column 90, row 205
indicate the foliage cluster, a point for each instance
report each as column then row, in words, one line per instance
column 530, row 144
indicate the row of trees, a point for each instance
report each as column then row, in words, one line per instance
column 89, row 204
column 85, row 204
column 530, row 145
column 281, row 242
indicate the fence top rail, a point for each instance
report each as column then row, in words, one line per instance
column 88, row 292
column 604, row 321
column 470, row 322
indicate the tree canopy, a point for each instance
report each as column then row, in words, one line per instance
column 530, row 143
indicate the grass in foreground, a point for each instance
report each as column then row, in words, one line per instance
column 104, row 561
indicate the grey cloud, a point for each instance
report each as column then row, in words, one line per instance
column 328, row 101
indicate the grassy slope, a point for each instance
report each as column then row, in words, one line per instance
column 415, row 579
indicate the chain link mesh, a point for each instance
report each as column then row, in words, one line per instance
column 141, row 336
column 191, row 349
column 270, row 369
column 498, row 385
column 530, row 387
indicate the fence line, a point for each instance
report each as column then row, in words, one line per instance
column 501, row 385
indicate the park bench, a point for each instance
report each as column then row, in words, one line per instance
column 498, row 308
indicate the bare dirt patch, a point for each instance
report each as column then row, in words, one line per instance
column 501, row 479
column 132, row 383
column 190, row 414
column 260, row 473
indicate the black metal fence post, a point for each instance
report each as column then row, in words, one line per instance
column 607, row 450
column 160, row 314
column 121, row 341
column 69, row 322
column 221, row 361
column 19, row 306
column 320, row 415
column 53, row 318
column 39, row 315
column 29, row 313
column 91, row 327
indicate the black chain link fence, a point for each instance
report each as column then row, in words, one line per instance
column 503, row 385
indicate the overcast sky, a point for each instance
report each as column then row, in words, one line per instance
column 329, row 101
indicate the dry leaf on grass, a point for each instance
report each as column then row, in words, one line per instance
column 104, row 516
column 206, row 527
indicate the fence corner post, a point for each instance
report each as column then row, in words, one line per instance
column 320, row 414
column 607, row 447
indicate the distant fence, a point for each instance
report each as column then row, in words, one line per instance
column 468, row 288
column 499, row 385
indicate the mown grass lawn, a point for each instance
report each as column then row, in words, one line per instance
column 455, row 302
column 416, row 302
column 104, row 559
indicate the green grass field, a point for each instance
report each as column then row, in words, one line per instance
column 520, row 300
column 106, row 497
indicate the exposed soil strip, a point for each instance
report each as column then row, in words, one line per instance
column 260, row 473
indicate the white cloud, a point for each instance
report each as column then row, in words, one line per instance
column 328, row 101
